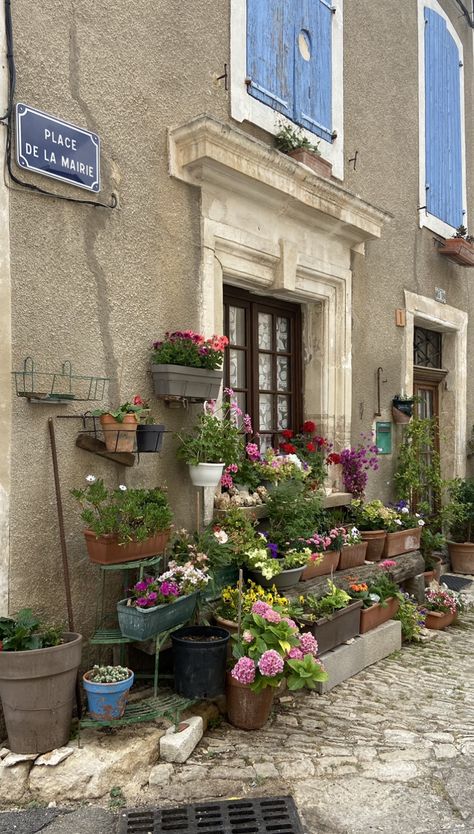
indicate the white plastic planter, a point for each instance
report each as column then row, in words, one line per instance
column 206, row 474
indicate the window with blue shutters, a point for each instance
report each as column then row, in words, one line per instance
column 289, row 60
column 443, row 121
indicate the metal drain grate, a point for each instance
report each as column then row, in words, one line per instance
column 455, row 583
column 269, row 815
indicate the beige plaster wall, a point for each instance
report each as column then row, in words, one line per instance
column 381, row 124
column 96, row 286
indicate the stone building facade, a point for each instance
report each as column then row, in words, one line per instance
column 210, row 218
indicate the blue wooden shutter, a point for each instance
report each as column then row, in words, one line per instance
column 443, row 128
column 313, row 77
column 270, row 46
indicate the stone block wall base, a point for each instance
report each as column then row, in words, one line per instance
column 350, row 658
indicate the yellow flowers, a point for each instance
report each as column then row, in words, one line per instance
column 251, row 593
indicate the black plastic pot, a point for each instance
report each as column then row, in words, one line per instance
column 150, row 437
column 199, row 661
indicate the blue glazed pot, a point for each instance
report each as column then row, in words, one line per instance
column 107, row 701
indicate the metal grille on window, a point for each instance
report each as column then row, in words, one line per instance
column 427, row 348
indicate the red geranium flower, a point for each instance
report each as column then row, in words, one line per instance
column 137, row 400
column 321, row 441
column 287, row 433
column 309, row 427
column 288, row 448
column 334, row 458
column 310, row 447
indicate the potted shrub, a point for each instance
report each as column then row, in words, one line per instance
column 459, row 514
column 333, row 618
column 215, row 441
column 402, row 408
column 294, row 143
column 107, row 690
column 372, row 520
column 356, row 463
column 353, row 550
column 186, row 365
column 38, row 673
column 380, row 600
column 459, row 248
column 441, row 607
column 123, row 524
column 268, row 569
column 404, row 533
column 271, row 649
column 411, row 617
column 119, row 427
column 160, row 603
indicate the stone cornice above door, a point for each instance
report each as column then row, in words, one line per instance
column 208, row 152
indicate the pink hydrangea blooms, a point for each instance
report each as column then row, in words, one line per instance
column 291, row 623
column 308, row 644
column 295, row 653
column 247, row 637
column 260, row 607
column 271, row 663
column 244, row 670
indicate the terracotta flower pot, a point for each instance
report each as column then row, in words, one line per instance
column 119, row 437
column 231, row 625
column 403, row 541
column 247, row 710
column 352, row 556
column 438, row 619
column 462, row 557
column 377, row 614
column 312, row 160
column 375, row 544
column 458, row 250
column 326, row 566
column 106, row 550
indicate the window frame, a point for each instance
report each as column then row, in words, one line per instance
column 245, row 107
column 430, row 221
column 254, row 304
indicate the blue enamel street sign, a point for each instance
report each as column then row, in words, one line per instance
column 57, row 149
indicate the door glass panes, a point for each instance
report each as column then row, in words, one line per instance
column 262, row 363
column 427, row 348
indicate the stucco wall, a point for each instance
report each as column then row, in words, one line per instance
column 96, row 286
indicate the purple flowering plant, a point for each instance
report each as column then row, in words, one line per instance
column 357, row 461
column 272, row 649
column 177, row 581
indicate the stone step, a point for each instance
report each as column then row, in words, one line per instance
column 349, row 659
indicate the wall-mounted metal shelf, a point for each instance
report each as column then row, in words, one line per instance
column 53, row 387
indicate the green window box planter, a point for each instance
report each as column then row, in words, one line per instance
column 218, row 580
column 142, row 623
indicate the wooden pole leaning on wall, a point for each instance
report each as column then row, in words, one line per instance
column 62, row 535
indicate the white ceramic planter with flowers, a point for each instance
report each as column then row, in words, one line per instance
column 215, row 441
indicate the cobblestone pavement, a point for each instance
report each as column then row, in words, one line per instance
column 391, row 751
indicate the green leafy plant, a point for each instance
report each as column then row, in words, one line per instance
column 138, row 407
column 241, row 531
column 418, row 473
column 461, row 232
column 211, row 548
column 216, row 436
column 108, row 674
column 26, row 632
column 373, row 515
column 431, row 541
column 459, row 512
column 293, row 513
column 130, row 514
column 411, row 618
column 378, row 589
column 289, row 139
column 334, row 600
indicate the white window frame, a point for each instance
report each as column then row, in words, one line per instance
column 245, row 107
column 435, row 224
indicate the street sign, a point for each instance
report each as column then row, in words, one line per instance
column 57, row 149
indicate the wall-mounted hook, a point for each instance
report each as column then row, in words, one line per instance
column 378, row 413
